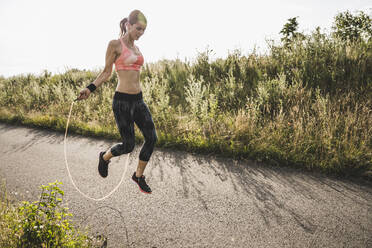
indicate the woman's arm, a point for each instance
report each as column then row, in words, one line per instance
column 110, row 59
column 106, row 73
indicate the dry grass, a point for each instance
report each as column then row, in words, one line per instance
column 306, row 105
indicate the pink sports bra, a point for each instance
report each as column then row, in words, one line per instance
column 128, row 60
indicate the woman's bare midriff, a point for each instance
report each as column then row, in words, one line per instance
column 128, row 82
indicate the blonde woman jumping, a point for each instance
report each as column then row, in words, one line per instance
column 128, row 105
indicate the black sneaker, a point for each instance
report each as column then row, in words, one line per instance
column 103, row 165
column 141, row 183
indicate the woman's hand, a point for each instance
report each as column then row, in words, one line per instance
column 84, row 94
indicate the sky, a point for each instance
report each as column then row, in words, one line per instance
column 59, row 35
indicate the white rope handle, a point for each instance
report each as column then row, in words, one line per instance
column 69, row 174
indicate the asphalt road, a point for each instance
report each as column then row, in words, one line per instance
column 197, row 201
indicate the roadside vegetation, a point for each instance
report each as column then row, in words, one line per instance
column 306, row 103
column 44, row 223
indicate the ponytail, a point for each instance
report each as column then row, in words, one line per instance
column 123, row 29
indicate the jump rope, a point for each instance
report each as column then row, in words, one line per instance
column 68, row 169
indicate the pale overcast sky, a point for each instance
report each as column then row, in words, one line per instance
column 55, row 35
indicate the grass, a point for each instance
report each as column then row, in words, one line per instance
column 307, row 104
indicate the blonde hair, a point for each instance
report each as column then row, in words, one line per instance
column 133, row 18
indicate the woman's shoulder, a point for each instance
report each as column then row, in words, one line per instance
column 115, row 45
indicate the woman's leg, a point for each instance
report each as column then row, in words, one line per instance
column 108, row 155
column 143, row 119
column 123, row 112
column 141, row 168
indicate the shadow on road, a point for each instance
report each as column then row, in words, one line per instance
column 268, row 186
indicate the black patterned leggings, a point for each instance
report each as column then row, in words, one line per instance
column 129, row 109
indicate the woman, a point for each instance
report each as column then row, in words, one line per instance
column 128, row 105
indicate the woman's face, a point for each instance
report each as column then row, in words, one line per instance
column 136, row 30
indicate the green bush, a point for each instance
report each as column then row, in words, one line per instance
column 43, row 223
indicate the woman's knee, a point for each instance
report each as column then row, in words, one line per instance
column 129, row 146
column 123, row 148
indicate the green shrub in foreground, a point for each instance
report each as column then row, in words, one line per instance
column 43, row 223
